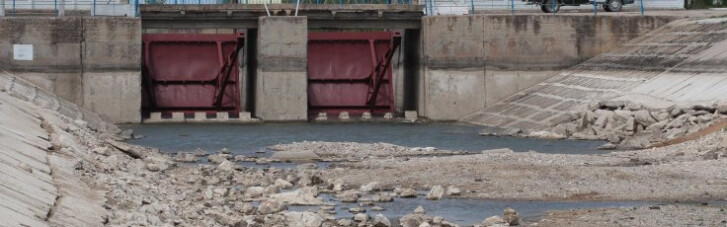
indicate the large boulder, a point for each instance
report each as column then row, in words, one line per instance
column 302, row 196
column 303, row 219
column 436, row 193
column 270, row 206
column 511, row 216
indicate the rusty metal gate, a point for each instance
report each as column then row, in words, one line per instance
column 351, row 71
column 191, row 72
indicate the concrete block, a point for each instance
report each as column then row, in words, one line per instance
column 322, row 116
column 366, row 116
column 245, row 116
column 177, row 116
column 410, row 115
column 223, row 116
column 155, row 116
column 388, row 116
column 200, row 116
column 343, row 116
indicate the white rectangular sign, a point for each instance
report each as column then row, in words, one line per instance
column 23, row 52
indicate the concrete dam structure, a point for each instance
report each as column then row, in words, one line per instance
column 381, row 60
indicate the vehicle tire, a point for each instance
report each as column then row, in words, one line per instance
column 613, row 5
column 547, row 6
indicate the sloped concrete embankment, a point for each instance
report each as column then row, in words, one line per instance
column 666, row 84
column 38, row 159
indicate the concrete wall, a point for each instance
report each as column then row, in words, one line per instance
column 281, row 81
column 470, row 62
column 92, row 62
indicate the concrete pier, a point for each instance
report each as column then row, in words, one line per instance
column 281, row 81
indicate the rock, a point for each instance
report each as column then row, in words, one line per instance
column 226, row 166
column 296, row 156
column 437, row 220
column 643, row 117
column 302, row 196
column 224, row 151
column 270, row 206
column 435, row 193
column 155, row 167
column 381, row 221
column 452, row 190
column 546, row 135
column 724, row 142
column 377, row 208
column 254, row 192
column 272, row 189
column 424, row 224
column 613, row 138
column 344, row 222
column 634, row 143
column 338, row 185
column 498, row 131
column 240, row 158
column 420, row 210
column 283, row 184
column 186, row 157
column 498, row 151
column 414, row 220
column 349, row 196
column 511, row 216
column 373, row 186
column 303, row 219
column 494, row 221
column 560, row 129
column 356, row 210
column 361, row 217
column 408, row 193
column 218, row 158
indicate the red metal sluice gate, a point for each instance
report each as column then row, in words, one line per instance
column 191, row 72
column 351, row 71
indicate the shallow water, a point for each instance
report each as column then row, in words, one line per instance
column 246, row 139
column 465, row 211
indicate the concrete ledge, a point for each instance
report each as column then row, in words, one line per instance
column 200, row 117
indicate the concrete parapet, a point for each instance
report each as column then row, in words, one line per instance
column 281, row 81
column 200, row 117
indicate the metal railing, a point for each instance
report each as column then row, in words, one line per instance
column 130, row 8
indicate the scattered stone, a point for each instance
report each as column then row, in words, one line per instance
column 240, row 158
column 357, row 210
column 226, row 166
column 344, row 222
column 408, row 193
column 270, row 206
column 373, row 186
column 494, row 221
column 302, row 196
column 349, row 196
column 361, row 217
column 224, row 151
column 283, row 184
column 218, row 158
column 511, row 216
column 297, row 156
column 377, row 208
column 452, row 190
column 435, row 193
column 420, row 210
column 186, row 157
column 303, row 219
column 254, row 192
column 381, row 221
column 498, row 151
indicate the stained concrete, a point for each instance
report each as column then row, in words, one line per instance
column 471, row 62
column 71, row 53
column 281, row 78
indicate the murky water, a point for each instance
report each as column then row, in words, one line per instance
column 465, row 211
column 247, row 139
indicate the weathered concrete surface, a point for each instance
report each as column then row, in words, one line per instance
column 40, row 186
column 281, row 81
column 69, row 53
column 681, row 63
column 499, row 55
